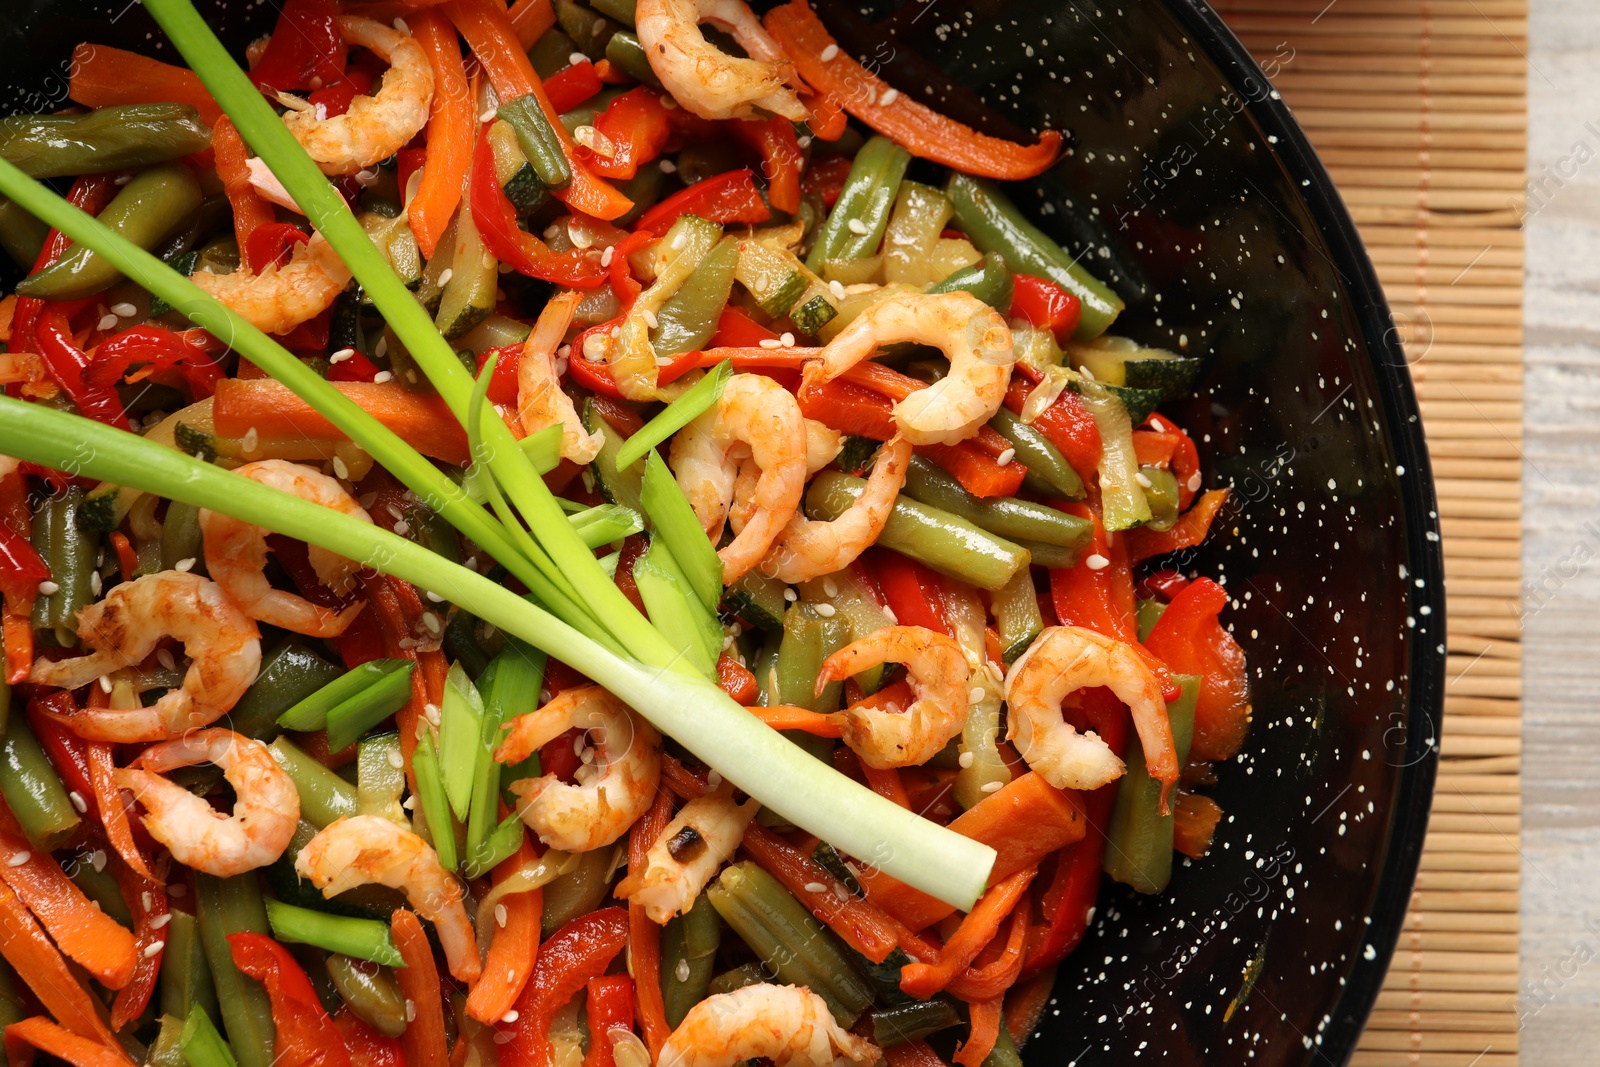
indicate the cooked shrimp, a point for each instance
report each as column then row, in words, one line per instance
column 822, row 445
column 366, row 849
column 616, row 785
column 789, row 1025
column 236, row 553
column 756, row 417
column 808, row 548
column 281, row 298
column 541, row 401
column 699, row 840
column 971, row 333
column 705, row 79
column 374, row 127
column 937, row 670
column 222, row 642
column 707, row 469
column 266, row 807
column 1062, row 660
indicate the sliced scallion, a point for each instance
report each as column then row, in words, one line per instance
column 675, row 523
column 694, row 402
column 367, row 939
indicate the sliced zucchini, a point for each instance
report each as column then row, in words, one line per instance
column 197, row 443
column 813, row 313
column 1121, row 497
column 774, row 276
column 758, row 600
column 469, row 286
column 1139, row 402
column 919, row 217
column 104, row 507
column 496, row 331
column 515, row 174
column 617, row 486
column 395, row 240
column 1124, row 362
column 184, row 265
column 1016, row 615
column 1161, row 490
column 857, row 605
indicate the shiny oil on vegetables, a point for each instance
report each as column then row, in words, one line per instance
column 557, row 534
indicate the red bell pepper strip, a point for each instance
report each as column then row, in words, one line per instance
column 1165, row 584
column 644, row 936
column 88, row 194
column 736, row 329
column 493, row 39
column 1046, row 305
column 609, row 1003
column 1190, row 640
column 272, row 243
column 21, row 568
column 147, row 900
column 496, row 220
column 1097, row 599
column 336, row 97
column 637, row 127
column 1067, row 424
column 725, row 198
column 306, row 50
column 503, row 382
column 250, row 210
column 103, row 76
column 1194, row 824
column 735, row 679
column 598, row 377
column 572, row 85
column 577, row 952
column 21, row 571
column 306, row 1037
column 368, row 1048
column 1188, row 532
column 1160, row 443
column 424, row 1036
column 146, row 349
column 353, row 368
column 774, row 140
column 66, row 363
column 826, row 177
column 913, row 592
column 1066, row 904
column 923, row 131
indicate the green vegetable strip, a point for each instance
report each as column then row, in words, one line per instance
column 1049, row 473
column 689, row 948
column 166, row 1050
column 230, row 906
column 289, row 673
column 354, row 717
column 868, row 194
column 675, row 523
column 1139, row 838
column 185, row 976
column 496, row 848
column 366, row 939
column 680, row 615
column 570, row 566
column 605, row 523
column 695, row 713
column 324, row 796
column 695, row 401
column 460, row 738
column 433, row 802
column 203, row 1046
column 380, row 777
column 312, row 712
column 32, row 789
column 543, row 448
column 537, row 139
column 510, row 687
column 388, row 448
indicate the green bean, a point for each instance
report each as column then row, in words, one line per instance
column 1045, row 554
column 585, row 113
column 362, row 902
column 106, row 139
column 1006, row 517
column 289, row 673
column 1004, row 1053
column 1139, row 838
column 185, row 975
column 994, row 224
column 688, row 953
column 989, row 280
column 324, row 796
column 380, row 777
column 621, row 10
column 371, row 992
column 167, row 1049
column 70, row 553
column 785, row 936
column 100, row 885
column 808, row 639
column 351, row 718
column 311, row 712
column 537, row 139
column 741, row 976
column 433, row 803
column 365, row 939
column 858, row 606
column 689, row 317
column 907, row 1022
column 33, row 790
column 551, row 52
column 203, row 1046
column 644, row 189
column 1049, row 473
column 152, row 205
column 627, row 54
column 578, row 891
column 230, row 906
column 21, row 235
column 588, row 30
column 868, row 194
column 180, row 537
column 1161, row 492
column 948, row 543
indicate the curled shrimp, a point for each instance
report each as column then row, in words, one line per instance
column 1062, row 660
column 789, row 1025
column 699, row 840
column 616, row 784
column 808, row 548
column 822, row 445
column 705, row 79
column 374, row 127
column 236, row 553
column 971, row 333
column 266, row 806
column 222, row 642
column 937, row 669
column 366, row 849
column 758, row 418
column 281, row 298
column 541, row 401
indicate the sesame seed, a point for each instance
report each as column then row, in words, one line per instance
column 1006, row 457
column 105, row 683
column 502, row 1037
column 341, row 355
column 605, row 257
column 770, row 342
column 382, row 376
column 435, row 597
column 108, row 322
column 97, row 860
column 889, row 96
column 681, row 972
column 678, row 241
column 830, row 53
column 400, row 24
column 827, row 611
column 431, row 621
column 160, row 920
column 857, row 227
column 19, row 858
column 790, row 595
column 186, row 564
column 381, row 349
column 816, row 887
column 78, row 801
column 991, row 787
column 1087, row 373
column 1194, row 482
column 787, row 339
column 965, row 759
column 48, row 588
column 668, row 166
column 574, row 58
column 124, row 310
column 975, row 695
column 153, row 949
column 410, row 804
column 340, row 470
column 396, row 760
column 487, row 116
column 649, row 318
column 830, row 587
column 1097, row 562
column 144, row 900
column 511, row 1016
column 1142, row 479
column 177, row 890
column 500, row 915
column 250, row 439
column 444, row 278
column 411, row 1010
column 836, row 287
column 1157, row 425
column 96, row 583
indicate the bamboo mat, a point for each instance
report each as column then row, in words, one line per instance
column 1419, row 110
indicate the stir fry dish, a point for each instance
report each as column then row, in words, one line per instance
column 570, row 535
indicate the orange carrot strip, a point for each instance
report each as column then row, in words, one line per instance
column 997, row 976
column 18, row 629
column 39, row 964
column 86, row 934
column 424, row 1036
column 513, row 948
column 977, row 929
column 985, row 1031
column 531, row 18
column 274, row 411
column 450, row 130
column 923, row 131
column 42, row 1034
column 103, row 76
column 644, row 936
column 789, row 717
column 127, row 558
column 887, row 784
column 493, row 38
column 108, row 801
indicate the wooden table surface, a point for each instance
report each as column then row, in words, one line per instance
column 1561, row 549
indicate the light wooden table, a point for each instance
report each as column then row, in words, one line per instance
column 1561, row 548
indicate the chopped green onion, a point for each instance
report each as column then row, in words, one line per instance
column 366, row 939
column 495, row 849
column 202, row 1045
column 675, row 523
column 695, row 401
column 543, row 448
column 605, row 523
column 460, row 738
column 675, row 608
column 510, row 686
column 432, row 800
column 312, row 712
column 354, row 717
